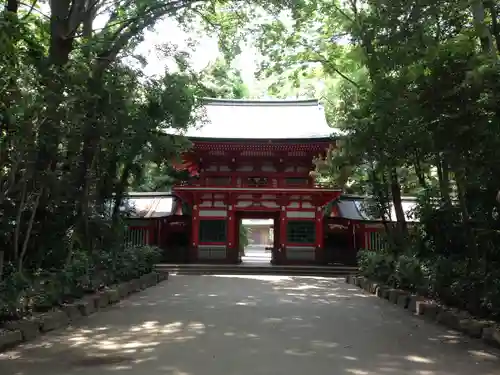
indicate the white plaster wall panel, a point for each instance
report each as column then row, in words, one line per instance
column 219, row 196
column 294, row 205
column 270, row 204
column 274, row 183
column 219, row 204
column 209, row 213
column 238, row 182
column 302, row 169
column 211, row 168
column 268, row 167
column 211, row 252
column 206, row 196
column 266, row 196
column 206, row 204
column 300, row 253
column 244, row 196
column 289, row 169
column 243, row 204
column 245, row 168
column 224, row 168
column 301, row 214
column 296, row 197
column 307, row 204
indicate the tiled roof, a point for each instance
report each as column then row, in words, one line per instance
column 261, row 119
column 148, row 205
column 354, row 208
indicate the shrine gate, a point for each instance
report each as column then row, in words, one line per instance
column 252, row 159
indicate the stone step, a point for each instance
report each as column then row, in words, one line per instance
column 211, row 269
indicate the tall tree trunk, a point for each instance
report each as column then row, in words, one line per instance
column 482, row 29
column 29, row 229
column 120, row 191
column 443, row 179
column 419, row 172
column 492, row 7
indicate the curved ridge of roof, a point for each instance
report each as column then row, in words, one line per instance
column 261, row 102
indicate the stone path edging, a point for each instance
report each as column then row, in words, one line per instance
column 430, row 310
column 16, row 332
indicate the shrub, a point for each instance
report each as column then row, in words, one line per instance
column 21, row 294
column 375, row 265
column 410, row 273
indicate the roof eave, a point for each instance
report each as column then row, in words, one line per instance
column 263, row 140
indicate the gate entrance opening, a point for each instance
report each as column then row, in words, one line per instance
column 257, row 242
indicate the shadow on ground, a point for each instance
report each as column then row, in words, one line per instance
column 225, row 325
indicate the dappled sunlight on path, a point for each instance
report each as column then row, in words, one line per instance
column 239, row 325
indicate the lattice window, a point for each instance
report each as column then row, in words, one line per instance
column 257, row 181
column 219, row 181
column 136, row 236
column 298, row 231
column 377, row 241
column 213, row 230
column 296, row 181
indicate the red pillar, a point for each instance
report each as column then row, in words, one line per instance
column 282, row 234
column 195, row 232
column 320, row 251
column 232, row 252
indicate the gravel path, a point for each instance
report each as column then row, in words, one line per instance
column 252, row 325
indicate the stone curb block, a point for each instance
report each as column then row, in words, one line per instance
column 403, row 299
column 369, row 286
column 352, row 280
column 93, row 300
column 123, row 290
column 386, row 293
column 472, row 327
column 102, row 299
column 9, row 339
column 143, row 282
column 13, row 333
column 451, row 318
column 86, row 306
column 360, row 280
column 428, row 309
column 491, row 335
column 72, row 311
column 380, row 290
column 393, row 295
column 52, row 320
column 135, row 285
column 29, row 328
column 373, row 287
column 113, row 295
column 412, row 304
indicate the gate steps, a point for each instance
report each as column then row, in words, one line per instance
column 256, row 269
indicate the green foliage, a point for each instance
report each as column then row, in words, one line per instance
column 244, row 240
column 377, row 265
column 417, row 94
column 224, row 82
column 21, row 294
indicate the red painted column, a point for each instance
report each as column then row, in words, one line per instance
column 282, row 239
column 195, row 232
column 320, row 251
column 232, row 227
column 151, row 234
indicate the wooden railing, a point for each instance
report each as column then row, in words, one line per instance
column 139, row 236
